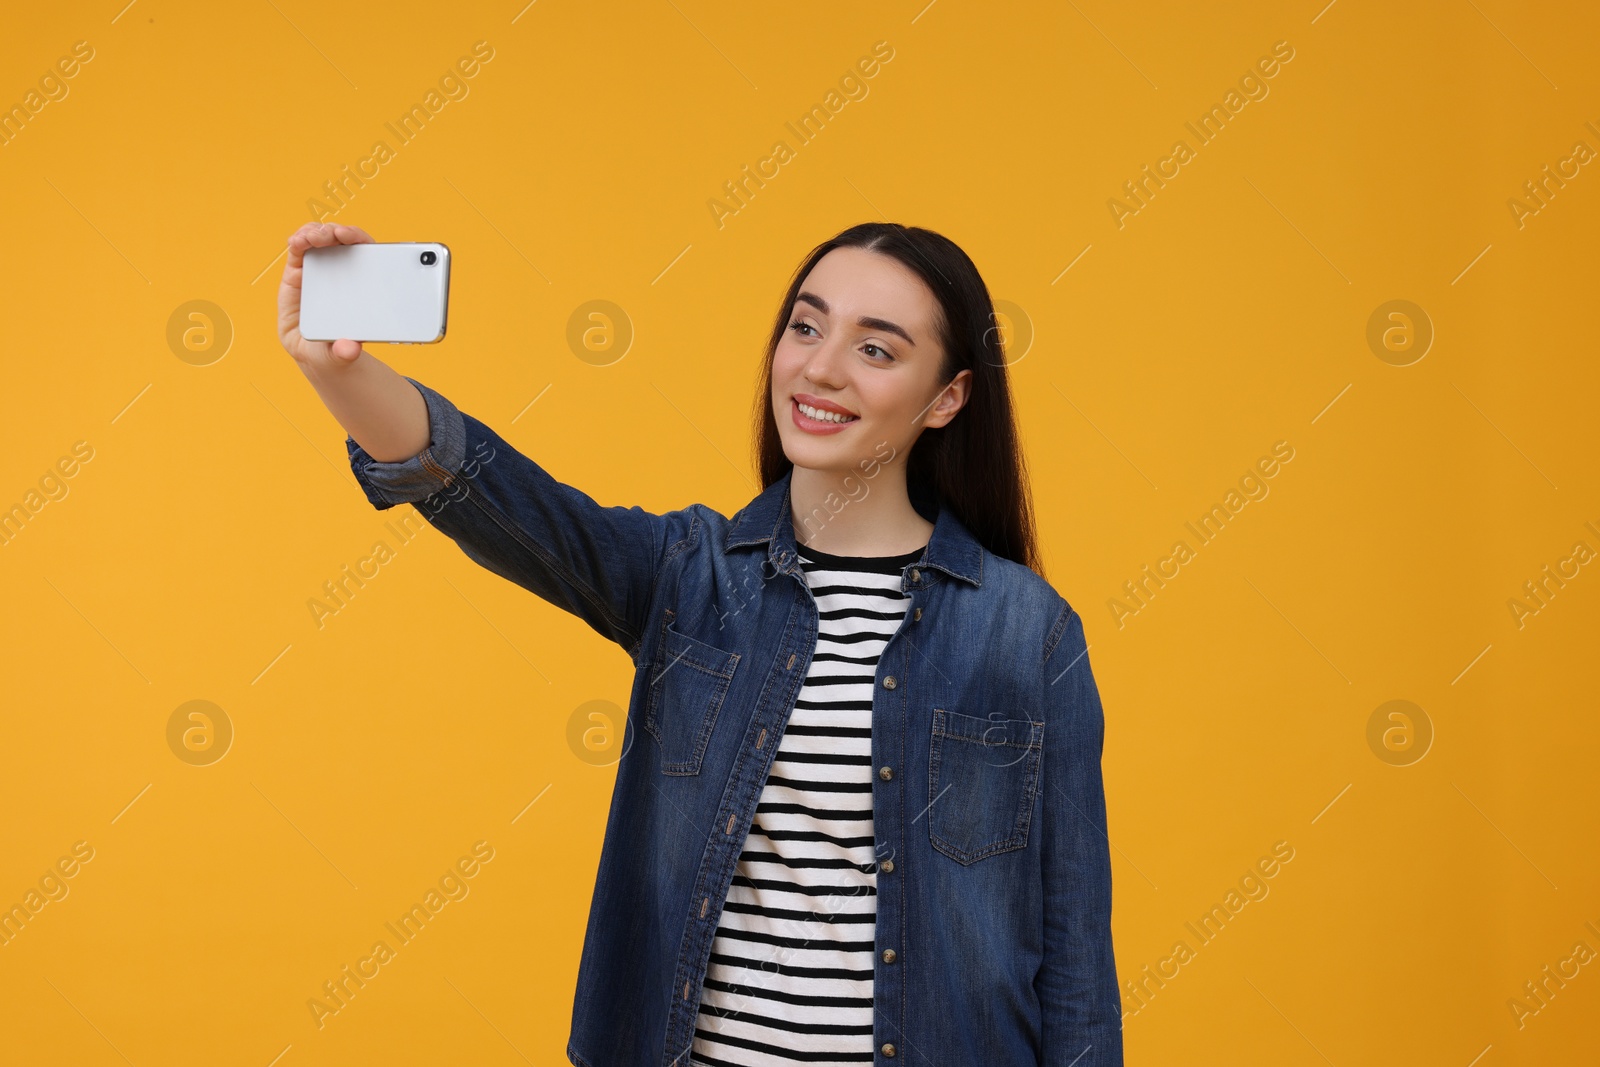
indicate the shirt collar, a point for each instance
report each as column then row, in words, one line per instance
column 770, row 518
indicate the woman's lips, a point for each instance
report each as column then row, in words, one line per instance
column 816, row 426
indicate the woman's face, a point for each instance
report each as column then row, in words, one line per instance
column 861, row 347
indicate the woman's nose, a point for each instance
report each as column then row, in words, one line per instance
column 824, row 366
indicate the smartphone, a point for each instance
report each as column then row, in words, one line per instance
column 396, row 293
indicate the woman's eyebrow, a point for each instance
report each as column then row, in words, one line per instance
column 866, row 320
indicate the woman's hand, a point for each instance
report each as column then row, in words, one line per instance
column 377, row 407
column 313, row 356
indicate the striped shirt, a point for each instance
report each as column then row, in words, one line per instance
column 790, row 977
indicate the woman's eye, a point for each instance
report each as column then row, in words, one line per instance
column 800, row 327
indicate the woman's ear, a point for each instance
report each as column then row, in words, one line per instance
column 950, row 401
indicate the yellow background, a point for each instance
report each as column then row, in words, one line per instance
column 434, row 708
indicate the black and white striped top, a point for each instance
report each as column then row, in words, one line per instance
column 790, row 978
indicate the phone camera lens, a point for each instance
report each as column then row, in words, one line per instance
column 429, row 259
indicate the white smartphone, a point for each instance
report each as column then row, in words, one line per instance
column 396, row 293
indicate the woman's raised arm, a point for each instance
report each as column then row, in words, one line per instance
column 409, row 444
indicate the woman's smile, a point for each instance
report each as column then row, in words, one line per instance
column 819, row 420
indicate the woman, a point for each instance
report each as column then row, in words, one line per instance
column 861, row 817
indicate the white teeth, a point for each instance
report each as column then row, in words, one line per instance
column 825, row 416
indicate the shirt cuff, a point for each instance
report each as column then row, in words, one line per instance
column 426, row 473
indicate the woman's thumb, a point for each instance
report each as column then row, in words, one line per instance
column 345, row 350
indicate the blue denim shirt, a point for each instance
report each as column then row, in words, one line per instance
column 993, row 931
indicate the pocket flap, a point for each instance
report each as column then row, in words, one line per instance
column 1018, row 733
column 680, row 649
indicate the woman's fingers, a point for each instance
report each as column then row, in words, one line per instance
column 313, row 235
column 309, row 236
column 346, row 350
column 322, row 235
column 352, row 235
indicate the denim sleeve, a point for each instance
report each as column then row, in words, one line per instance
column 1077, row 980
column 508, row 514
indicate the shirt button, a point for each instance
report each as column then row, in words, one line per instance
column 888, row 683
column 888, row 955
column 915, row 574
column 888, row 1050
column 917, row 615
column 887, row 867
column 885, row 773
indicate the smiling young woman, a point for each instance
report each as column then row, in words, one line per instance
column 864, row 818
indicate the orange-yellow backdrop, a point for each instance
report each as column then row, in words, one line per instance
column 1442, row 457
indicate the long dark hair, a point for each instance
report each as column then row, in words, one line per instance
column 972, row 465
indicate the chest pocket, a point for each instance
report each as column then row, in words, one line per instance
column 983, row 776
column 688, row 682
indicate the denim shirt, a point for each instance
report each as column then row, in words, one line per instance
column 993, row 931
